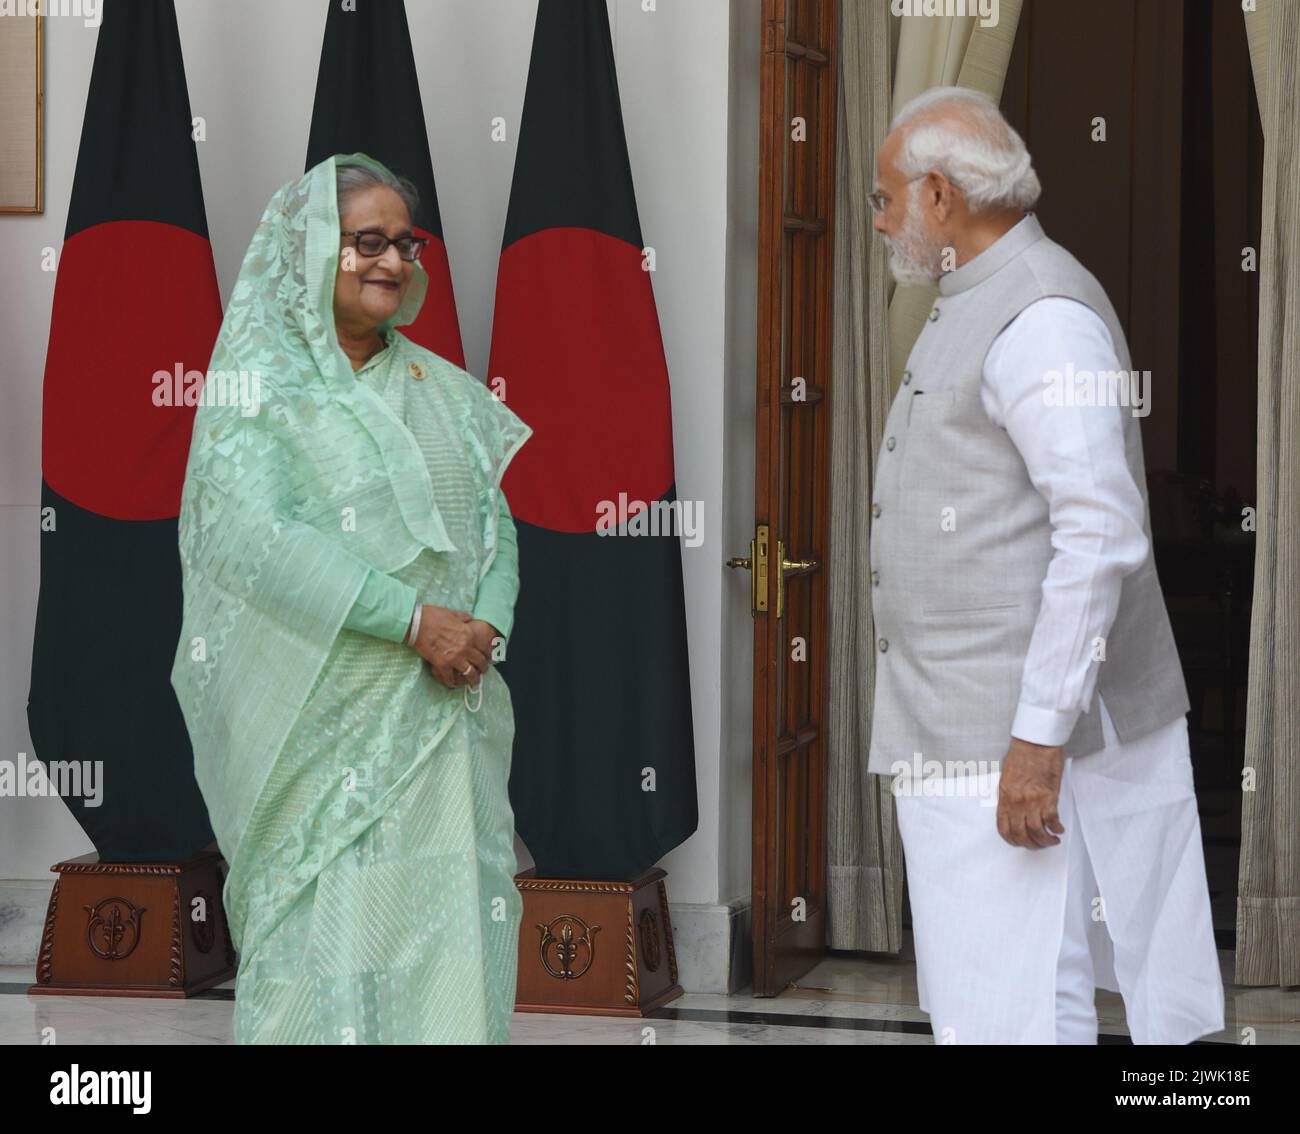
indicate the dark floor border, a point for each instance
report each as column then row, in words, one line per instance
column 837, row 1023
column 210, row 994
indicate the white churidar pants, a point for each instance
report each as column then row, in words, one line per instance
column 1011, row 942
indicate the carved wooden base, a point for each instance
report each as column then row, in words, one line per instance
column 595, row 948
column 135, row 929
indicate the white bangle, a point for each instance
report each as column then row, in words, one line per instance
column 413, row 632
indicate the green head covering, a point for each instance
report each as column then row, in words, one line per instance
column 287, row 280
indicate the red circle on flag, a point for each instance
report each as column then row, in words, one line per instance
column 577, row 354
column 136, row 310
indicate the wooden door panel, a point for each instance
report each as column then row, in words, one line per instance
column 796, row 197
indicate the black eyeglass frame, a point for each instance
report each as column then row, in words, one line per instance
column 414, row 244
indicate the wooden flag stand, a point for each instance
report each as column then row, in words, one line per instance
column 595, row 948
column 135, row 929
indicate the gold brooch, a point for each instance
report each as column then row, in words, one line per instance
column 417, row 371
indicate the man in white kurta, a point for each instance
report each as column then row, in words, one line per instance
column 1135, row 833
column 1016, row 922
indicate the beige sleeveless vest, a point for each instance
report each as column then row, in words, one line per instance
column 961, row 541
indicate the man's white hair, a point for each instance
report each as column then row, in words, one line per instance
column 962, row 134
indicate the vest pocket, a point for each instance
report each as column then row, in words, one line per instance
column 927, row 411
column 959, row 611
column 926, row 403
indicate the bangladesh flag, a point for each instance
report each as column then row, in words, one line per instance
column 603, row 774
column 368, row 101
column 136, row 312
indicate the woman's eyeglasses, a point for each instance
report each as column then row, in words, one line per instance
column 371, row 242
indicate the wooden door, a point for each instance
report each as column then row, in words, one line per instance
column 788, row 553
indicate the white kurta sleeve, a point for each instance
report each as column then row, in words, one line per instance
column 1075, row 457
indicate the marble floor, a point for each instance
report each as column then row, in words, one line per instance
column 847, row 999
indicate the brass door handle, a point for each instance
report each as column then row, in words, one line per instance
column 756, row 564
column 788, row 565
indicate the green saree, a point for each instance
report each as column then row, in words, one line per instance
column 361, row 805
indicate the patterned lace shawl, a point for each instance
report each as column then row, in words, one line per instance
column 284, row 510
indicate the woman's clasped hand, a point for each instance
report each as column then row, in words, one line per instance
column 457, row 646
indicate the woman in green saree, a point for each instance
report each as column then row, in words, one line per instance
column 349, row 574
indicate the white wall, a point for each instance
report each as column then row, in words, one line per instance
column 251, row 67
column 736, row 669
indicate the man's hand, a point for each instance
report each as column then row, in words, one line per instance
column 1028, row 792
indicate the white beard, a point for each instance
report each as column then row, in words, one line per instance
column 914, row 258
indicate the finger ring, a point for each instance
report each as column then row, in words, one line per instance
column 465, row 672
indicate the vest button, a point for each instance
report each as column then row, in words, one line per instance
column 417, row 371
column 907, row 377
column 889, row 444
column 934, row 314
column 875, row 509
column 884, row 644
column 875, row 578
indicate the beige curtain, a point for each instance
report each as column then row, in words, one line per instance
column 943, row 51
column 865, row 854
column 865, row 884
column 1268, row 883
